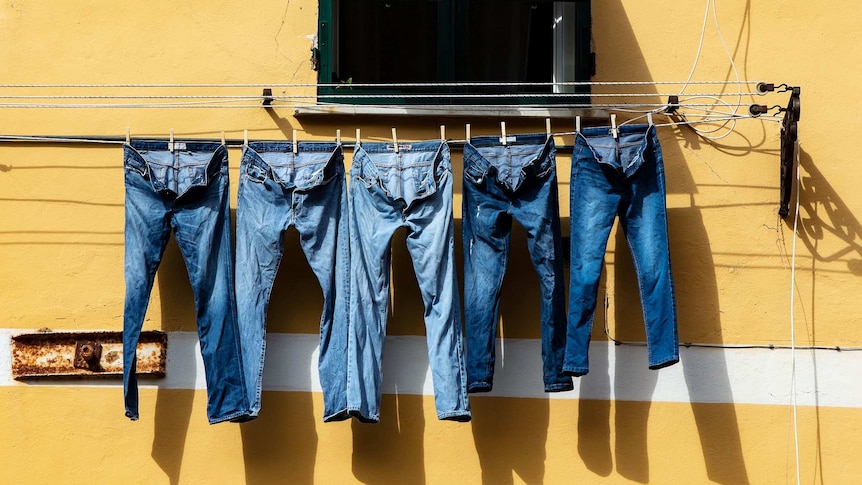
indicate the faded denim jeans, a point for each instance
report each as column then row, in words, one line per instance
column 411, row 188
column 184, row 192
column 307, row 190
column 501, row 183
column 620, row 177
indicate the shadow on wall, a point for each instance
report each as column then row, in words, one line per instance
column 174, row 406
column 698, row 314
column 394, row 447
column 281, row 446
column 825, row 218
column 829, row 231
column 501, row 449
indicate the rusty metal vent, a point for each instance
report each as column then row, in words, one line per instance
column 84, row 354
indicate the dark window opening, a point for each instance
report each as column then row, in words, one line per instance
column 453, row 41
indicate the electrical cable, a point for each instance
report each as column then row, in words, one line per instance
column 793, row 383
column 373, row 85
column 706, row 133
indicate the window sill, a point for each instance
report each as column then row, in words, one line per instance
column 449, row 111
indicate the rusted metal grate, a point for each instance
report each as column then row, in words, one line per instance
column 84, row 354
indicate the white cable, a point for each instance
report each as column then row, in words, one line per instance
column 735, row 108
column 369, row 95
column 370, row 85
column 699, row 48
column 792, row 317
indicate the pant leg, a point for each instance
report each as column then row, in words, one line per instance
column 147, row 230
column 322, row 222
column 263, row 214
column 202, row 229
column 431, row 243
column 486, row 231
column 373, row 221
column 644, row 221
column 538, row 212
column 595, row 200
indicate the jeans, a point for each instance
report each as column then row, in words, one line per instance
column 184, row 191
column 279, row 189
column 412, row 189
column 504, row 182
column 624, row 178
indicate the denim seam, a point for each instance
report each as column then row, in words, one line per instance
column 563, row 386
column 358, row 411
column 336, row 416
column 639, row 275
column 222, row 419
column 451, row 414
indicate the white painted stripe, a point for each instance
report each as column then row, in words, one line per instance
column 711, row 375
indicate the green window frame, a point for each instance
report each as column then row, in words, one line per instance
column 574, row 50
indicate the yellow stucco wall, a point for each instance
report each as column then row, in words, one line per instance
column 61, row 258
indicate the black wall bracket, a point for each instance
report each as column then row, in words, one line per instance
column 789, row 133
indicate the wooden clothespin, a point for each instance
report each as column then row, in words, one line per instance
column 222, row 138
column 503, row 131
column 245, row 138
column 577, row 124
column 395, row 139
column 338, row 137
column 171, row 142
column 295, row 147
column 442, row 132
column 614, row 130
column 128, row 136
column 357, row 138
column 548, row 127
column 467, row 132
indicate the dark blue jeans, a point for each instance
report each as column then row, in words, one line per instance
column 307, row 190
column 504, row 182
column 184, row 192
column 620, row 177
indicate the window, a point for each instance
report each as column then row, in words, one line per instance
column 397, row 42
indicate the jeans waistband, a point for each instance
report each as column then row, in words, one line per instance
column 196, row 146
column 525, row 139
column 409, row 146
column 311, row 166
column 409, row 175
column 626, row 152
column 601, row 131
column 529, row 158
column 168, row 172
column 287, row 147
column 410, row 155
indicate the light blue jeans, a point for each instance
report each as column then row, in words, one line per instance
column 184, row 192
column 622, row 178
column 307, row 190
column 501, row 183
column 412, row 189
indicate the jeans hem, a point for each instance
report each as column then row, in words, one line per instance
column 666, row 363
column 457, row 416
column 244, row 418
column 132, row 416
column 337, row 416
column 355, row 413
column 576, row 371
column 238, row 417
column 561, row 387
column 481, row 386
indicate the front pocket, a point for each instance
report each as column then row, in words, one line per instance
column 255, row 174
column 475, row 174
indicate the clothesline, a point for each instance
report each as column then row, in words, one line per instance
column 380, row 85
column 238, row 143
